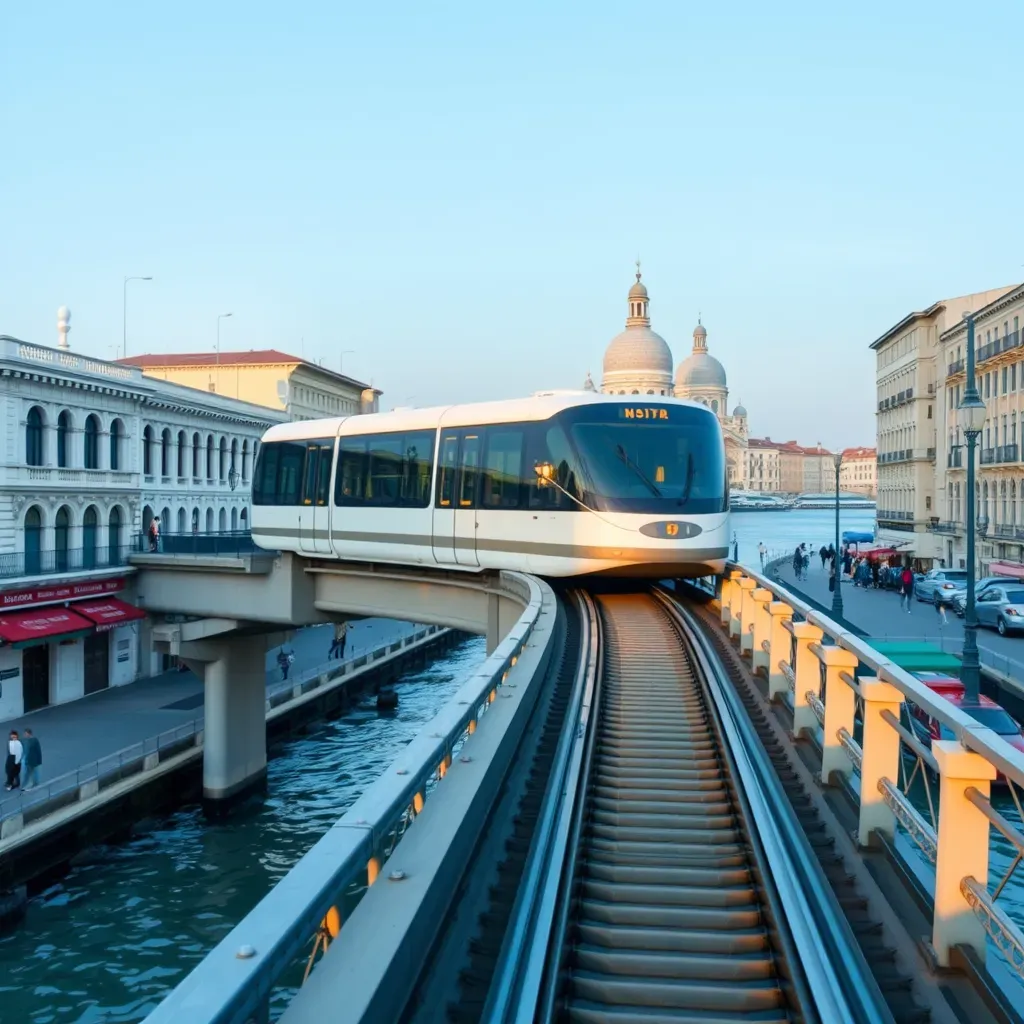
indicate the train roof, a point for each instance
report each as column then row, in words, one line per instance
column 540, row 406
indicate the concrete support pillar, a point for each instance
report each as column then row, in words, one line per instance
column 962, row 848
column 779, row 643
column 235, row 728
column 747, row 588
column 736, row 604
column 493, row 622
column 729, row 584
column 807, row 671
column 881, row 745
column 840, row 710
column 762, row 624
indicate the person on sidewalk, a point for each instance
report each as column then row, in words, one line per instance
column 338, row 643
column 823, row 552
column 284, row 661
column 763, row 552
column 12, row 768
column 906, row 588
column 154, row 534
column 941, row 603
column 33, row 759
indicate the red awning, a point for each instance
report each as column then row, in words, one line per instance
column 25, row 629
column 1014, row 569
column 108, row 613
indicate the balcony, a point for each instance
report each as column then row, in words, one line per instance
column 957, row 366
column 228, row 543
column 944, row 527
column 988, row 456
column 955, row 459
column 62, row 476
column 61, row 561
column 1004, row 530
column 1007, row 453
column 895, row 517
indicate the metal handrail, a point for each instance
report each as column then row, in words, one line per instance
column 233, row 983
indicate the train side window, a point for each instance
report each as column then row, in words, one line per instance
column 385, row 480
column 469, row 470
column 419, row 461
column 323, row 481
column 312, row 463
column 264, row 483
column 446, row 470
column 288, row 489
column 502, row 470
column 350, row 481
column 550, row 444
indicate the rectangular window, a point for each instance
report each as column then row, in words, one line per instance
column 385, row 470
column 446, row 472
column 469, row 470
column 1013, row 376
column 1006, row 377
column 278, row 478
column 502, row 470
column 929, row 412
column 988, row 385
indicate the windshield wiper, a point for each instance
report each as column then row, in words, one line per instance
column 621, row 452
column 689, row 480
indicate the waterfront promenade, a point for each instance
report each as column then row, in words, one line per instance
column 878, row 615
column 86, row 730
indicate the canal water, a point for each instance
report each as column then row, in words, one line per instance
column 781, row 532
column 129, row 921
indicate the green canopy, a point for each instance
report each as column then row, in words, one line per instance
column 917, row 656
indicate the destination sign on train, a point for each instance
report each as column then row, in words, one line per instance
column 642, row 412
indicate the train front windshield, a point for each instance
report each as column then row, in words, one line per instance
column 652, row 459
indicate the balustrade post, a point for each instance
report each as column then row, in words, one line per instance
column 881, row 745
column 747, row 606
column 840, row 709
column 963, row 841
column 729, row 585
column 779, row 643
column 807, row 676
column 739, row 591
column 762, row 626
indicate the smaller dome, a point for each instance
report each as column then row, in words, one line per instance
column 700, row 331
column 638, row 291
column 63, row 313
column 700, row 370
column 740, row 411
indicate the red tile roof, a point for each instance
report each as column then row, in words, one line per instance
column 860, row 453
column 262, row 355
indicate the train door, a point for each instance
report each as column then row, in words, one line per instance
column 455, row 503
column 314, row 520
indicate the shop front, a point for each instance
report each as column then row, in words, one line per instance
column 53, row 653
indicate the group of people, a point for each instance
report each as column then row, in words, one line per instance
column 24, row 754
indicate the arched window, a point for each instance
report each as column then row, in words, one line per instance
column 33, row 541
column 63, row 429
column 166, row 523
column 147, row 518
column 182, row 448
column 635, row 392
column 92, row 442
column 209, row 520
column 195, row 520
column 245, row 462
column 89, row 523
column 234, row 459
column 1003, row 517
column 61, row 530
column 222, row 520
column 116, row 435
column 165, row 452
column 714, row 404
column 181, row 520
column 1013, row 502
column 209, row 457
column 34, row 436
column 223, row 469
column 147, row 451
column 243, row 519
column 114, row 536
column 196, row 447
column 234, row 520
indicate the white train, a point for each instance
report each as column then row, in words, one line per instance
column 556, row 485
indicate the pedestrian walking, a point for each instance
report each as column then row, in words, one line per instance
column 284, row 661
column 823, row 552
column 338, row 643
column 735, row 548
column 12, row 767
column 941, row 603
column 798, row 560
column 906, row 588
column 154, row 534
column 763, row 552
column 33, row 759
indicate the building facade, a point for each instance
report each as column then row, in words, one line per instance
column 638, row 361
column 764, row 466
column 912, row 378
column 858, row 473
column 276, row 380
column 999, row 483
column 90, row 452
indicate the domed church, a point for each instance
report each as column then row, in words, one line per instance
column 638, row 361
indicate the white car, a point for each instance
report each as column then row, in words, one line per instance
column 944, row 582
column 959, row 601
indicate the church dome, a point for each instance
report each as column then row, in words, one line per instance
column 638, row 348
column 740, row 411
column 638, row 291
column 701, row 369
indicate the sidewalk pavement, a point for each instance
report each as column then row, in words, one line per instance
column 83, row 731
column 878, row 614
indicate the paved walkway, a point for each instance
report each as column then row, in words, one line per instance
column 83, row 731
column 878, row 614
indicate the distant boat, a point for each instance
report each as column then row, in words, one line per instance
column 854, row 501
column 754, row 501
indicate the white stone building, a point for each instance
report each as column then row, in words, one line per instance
column 90, row 452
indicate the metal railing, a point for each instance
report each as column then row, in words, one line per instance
column 838, row 683
column 55, row 793
column 234, row 983
column 227, row 542
column 53, row 563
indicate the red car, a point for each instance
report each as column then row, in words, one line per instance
column 985, row 712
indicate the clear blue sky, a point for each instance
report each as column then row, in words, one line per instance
column 457, row 190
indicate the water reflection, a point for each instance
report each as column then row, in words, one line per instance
column 129, row 921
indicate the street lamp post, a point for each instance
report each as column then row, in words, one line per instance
column 124, row 312
column 971, row 414
column 837, row 592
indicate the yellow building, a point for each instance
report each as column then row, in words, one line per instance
column 275, row 380
column 858, row 473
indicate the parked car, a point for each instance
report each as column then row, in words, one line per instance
column 944, row 581
column 985, row 712
column 1001, row 608
column 959, row 601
